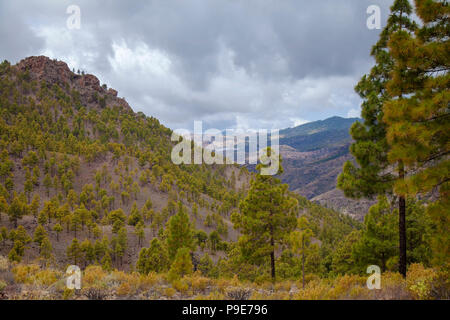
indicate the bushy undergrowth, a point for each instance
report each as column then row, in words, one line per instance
column 32, row 281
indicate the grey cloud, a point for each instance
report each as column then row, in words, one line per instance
column 228, row 59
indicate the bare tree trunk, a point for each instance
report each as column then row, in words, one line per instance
column 272, row 255
column 303, row 265
column 402, row 227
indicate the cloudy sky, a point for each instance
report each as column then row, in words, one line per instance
column 231, row 63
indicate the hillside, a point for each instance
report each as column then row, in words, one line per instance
column 76, row 155
column 72, row 147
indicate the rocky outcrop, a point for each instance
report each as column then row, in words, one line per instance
column 112, row 92
column 90, row 81
column 42, row 68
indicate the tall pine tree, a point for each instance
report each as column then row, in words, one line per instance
column 417, row 117
column 268, row 214
column 376, row 174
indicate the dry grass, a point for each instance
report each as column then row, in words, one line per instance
column 31, row 281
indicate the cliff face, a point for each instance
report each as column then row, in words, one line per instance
column 41, row 68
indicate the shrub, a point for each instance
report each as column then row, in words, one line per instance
column 419, row 281
column 124, row 289
column 67, row 293
column 198, row 283
column 93, row 276
column 4, row 263
column 181, row 266
column 181, row 286
column 169, row 292
column 25, row 273
column 238, row 293
column 46, row 277
column 2, row 285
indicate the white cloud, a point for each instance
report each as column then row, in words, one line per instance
column 298, row 122
column 354, row 113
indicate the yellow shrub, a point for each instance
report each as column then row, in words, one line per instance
column 148, row 281
column 25, row 273
column 67, row 293
column 46, row 277
column 283, row 286
column 169, row 292
column 393, row 287
column 124, row 289
column 314, row 290
column 214, row 295
column 343, row 286
column 419, row 281
column 93, row 276
column 120, row 275
column 180, row 285
column 222, row 284
column 198, row 282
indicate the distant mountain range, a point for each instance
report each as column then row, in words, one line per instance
column 313, row 156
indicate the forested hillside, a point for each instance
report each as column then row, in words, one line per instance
column 78, row 163
column 85, row 180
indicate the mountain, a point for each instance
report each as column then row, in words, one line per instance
column 73, row 152
column 313, row 156
column 335, row 128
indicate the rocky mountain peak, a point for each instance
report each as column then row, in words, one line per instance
column 57, row 72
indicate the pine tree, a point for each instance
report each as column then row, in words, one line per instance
column 58, row 229
column 377, row 243
column 34, row 206
column 418, row 116
column 153, row 259
column 87, row 250
column 375, row 176
column 343, row 261
column 47, row 183
column 106, row 262
column 75, row 223
column 205, row 265
column 16, row 210
column 214, row 240
column 74, row 251
column 139, row 232
column 46, row 249
column 268, row 213
column 182, row 264
column 135, row 216
column 42, row 218
column 39, row 234
column 179, row 232
column 17, row 251
column 300, row 240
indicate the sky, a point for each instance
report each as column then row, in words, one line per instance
column 246, row 64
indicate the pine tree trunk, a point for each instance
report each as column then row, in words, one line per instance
column 303, row 265
column 402, row 227
column 272, row 255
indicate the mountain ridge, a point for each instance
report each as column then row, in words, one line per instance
column 313, row 155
